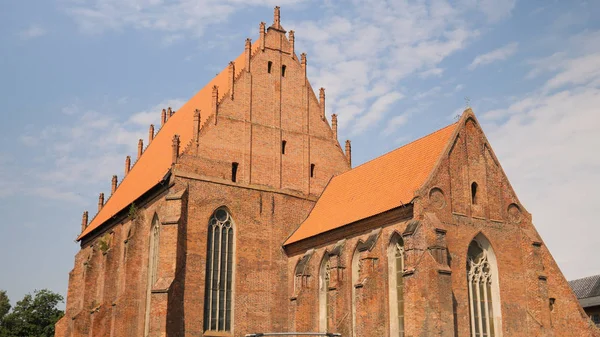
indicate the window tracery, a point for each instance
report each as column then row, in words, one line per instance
column 219, row 272
column 483, row 289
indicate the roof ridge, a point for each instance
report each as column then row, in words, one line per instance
column 398, row 148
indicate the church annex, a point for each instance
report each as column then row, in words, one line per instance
column 242, row 214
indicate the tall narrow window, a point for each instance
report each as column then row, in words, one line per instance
column 283, row 143
column 312, row 170
column 474, row 193
column 396, row 285
column 153, row 254
column 323, row 290
column 484, row 301
column 234, row 167
column 269, row 65
column 219, row 272
column 283, row 71
column 355, row 281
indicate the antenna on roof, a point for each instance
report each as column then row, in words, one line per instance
column 467, row 102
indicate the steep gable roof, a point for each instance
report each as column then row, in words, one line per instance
column 374, row 187
column 155, row 162
column 586, row 287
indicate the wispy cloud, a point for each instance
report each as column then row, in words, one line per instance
column 32, row 32
column 364, row 52
column 499, row 54
column 544, row 140
column 433, row 72
column 169, row 17
column 84, row 152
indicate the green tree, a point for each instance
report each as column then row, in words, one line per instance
column 4, row 309
column 33, row 316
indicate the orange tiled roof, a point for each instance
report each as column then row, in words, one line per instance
column 377, row 186
column 155, row 162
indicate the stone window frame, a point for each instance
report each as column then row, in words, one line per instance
column 395, row 255
column 153, row 258
column 484, row 269
column 225, row 225
column 324, row 277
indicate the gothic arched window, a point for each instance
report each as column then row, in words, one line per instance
column 153, row 254
column 219, row 272
column 324, row 277
column 396, row 285
column 355, row 280
column 484, row 294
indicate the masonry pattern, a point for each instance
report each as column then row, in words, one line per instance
column 236, row 161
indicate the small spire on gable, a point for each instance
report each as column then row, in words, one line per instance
column 277, row 18
column 349, row 153
column 113, row 186
column 127, row 164
column 163, row 117
column 150, row 134
column 140, row 148
column 262, row 32
column 196, row 126
column 303, row 63
column 248, row 53
column 84, row 221
column 175, row 148
column 231, row 78
column 334, row 124
column 292, row 41
column 322, row 102
column 215, row 101
column 100, row 201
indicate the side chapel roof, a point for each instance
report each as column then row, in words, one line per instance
column 155, row 162
column 586, row 287
column 376, row 186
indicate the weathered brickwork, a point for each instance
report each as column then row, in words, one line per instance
column 113, row 292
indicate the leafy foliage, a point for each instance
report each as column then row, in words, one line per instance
column 32, row 316
column 104, row 243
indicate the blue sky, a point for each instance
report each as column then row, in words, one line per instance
column 83, row 79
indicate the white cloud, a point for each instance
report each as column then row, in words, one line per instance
column 437, row 72
column 495, row 10
column 152, row 115
column 394, row 123
column 499, row 54
column 364, row 51
column 545, row 141
column 376, row 111
column 32, row 32
column 431, row 92
column 169, row 17
column 84, row 153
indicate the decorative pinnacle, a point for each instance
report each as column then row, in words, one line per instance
column 113, row 185
column 277, row 18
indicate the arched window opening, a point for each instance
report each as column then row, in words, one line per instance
column 396, row 285
column 219, row 272
column 234, row 168
column 474, row 198
column 153, row 255
column 355, row 281
column 283, row 144
column 283, row 71
column 269, row 65
column 484, row 301
column 323, row 291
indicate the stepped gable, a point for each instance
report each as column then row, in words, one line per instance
column 156, row 160
column 374, row 187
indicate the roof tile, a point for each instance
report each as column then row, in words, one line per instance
column 374, row 187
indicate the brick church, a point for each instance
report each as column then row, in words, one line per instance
column 243, row 214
